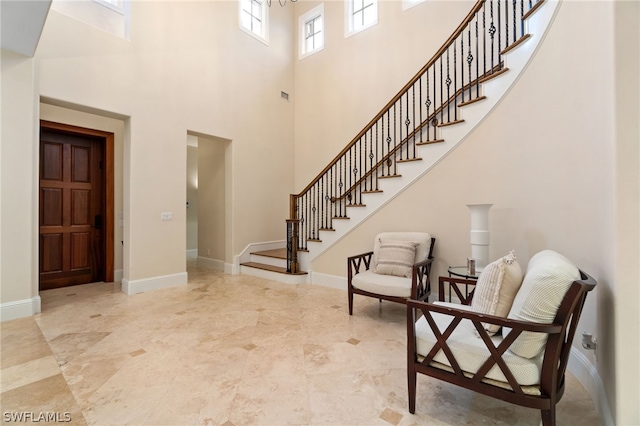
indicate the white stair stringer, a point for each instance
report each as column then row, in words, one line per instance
column 516, row 60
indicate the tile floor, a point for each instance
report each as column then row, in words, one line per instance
column 231, row 350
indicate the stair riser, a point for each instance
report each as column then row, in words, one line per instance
column 274, row 276
column 269, row 260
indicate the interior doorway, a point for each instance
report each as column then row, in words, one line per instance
column 208, row 200
column 75, row 206
column 192, row 198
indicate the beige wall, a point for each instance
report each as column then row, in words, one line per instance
column 557, row 158
column 624, row 364
column 187, row 68
column 546, row 157
column 18, row 178
column 341, row 88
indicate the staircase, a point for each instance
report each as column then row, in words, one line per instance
column 434, row 112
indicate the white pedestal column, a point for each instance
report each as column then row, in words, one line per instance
column 479, row 237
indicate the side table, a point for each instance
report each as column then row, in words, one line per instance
column 463, row 272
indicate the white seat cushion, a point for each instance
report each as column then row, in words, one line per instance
column 471, row 352
column 387, row 285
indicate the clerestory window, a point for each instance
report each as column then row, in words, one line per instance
column 254, row 19
column 408, row 4
column 311, row 30
column 360, row 15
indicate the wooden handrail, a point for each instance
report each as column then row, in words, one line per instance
column 418, row 128
column 402, row 91
column 409, row 119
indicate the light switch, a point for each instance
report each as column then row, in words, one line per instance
column 166, row 216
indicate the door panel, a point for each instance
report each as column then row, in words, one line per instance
column 71, row 194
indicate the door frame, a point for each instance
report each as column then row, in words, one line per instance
column 108, row 179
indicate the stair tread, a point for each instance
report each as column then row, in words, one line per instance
column 271, row 268
column 280, row 253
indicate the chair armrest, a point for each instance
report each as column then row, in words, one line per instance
column 425, row 262
column 457, row 316
column 455, row 283
column 354, row 263
column 420, row 281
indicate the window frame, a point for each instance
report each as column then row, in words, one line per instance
column 303, row 20
column 263, row 36
column 117, row 7
column 350, row 28
column 409, row 4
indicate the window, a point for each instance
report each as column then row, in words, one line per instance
column 408, row 4
column 112, row 16
column 254, row 19
column 361, row 14
column 311, row 31
column 116, row 5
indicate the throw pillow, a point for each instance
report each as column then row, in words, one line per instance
column 496, row 288
column 395, row 258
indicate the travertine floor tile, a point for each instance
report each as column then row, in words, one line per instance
column 233, row 350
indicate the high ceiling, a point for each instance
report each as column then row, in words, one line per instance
column 21, row 24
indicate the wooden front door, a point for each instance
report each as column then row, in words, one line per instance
column 72, row 209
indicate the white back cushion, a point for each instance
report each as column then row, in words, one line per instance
column 549, row 275
column 423, row 240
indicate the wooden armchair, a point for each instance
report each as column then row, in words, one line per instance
column 383, row 274
column 450, row 342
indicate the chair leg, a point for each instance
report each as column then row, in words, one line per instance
column 350, row 296
column 549, row 416
column 411, row 379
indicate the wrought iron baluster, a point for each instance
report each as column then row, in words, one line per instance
column 407, row 122
column 400, row 128
column 441, row 103
column 521, row 18
column 413, row 105
column 376, row 157
column 331, row 196
column 470, row 58
column 492, row 32
column 462, row 67
column 420, row 106
column 448, row 83
column 395, row 138
column 499, row 34
column 515, row 23
column 455, row 81
column 428, row 105
column 484, row 44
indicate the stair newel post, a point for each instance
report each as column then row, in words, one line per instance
column 293, row 224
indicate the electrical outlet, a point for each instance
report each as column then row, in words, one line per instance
column 166, row 216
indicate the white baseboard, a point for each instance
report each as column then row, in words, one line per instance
column 20, row 309
column 207, row 262
column 245, row 255
column 118, row 275
column 192, row 254
column 588, row 376
column 154, row 283
column 327, row 280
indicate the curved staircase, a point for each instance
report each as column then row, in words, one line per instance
column 433, row 113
